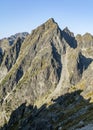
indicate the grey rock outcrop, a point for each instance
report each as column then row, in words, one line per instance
column 36, row 69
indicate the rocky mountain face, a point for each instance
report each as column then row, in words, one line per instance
column 46, row 80
column 9, row 51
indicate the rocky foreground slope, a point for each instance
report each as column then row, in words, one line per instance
column 46, row 80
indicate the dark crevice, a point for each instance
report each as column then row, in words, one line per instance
column 69, row 39
column 57, row 58
column 83, row 63
column 19, row 74
column 1, row 55
column 18, row 46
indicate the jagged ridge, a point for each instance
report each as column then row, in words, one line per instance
column 42, row 66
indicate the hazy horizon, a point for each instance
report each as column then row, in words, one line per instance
column 24, row 16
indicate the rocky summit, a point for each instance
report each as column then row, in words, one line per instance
column 46, row 80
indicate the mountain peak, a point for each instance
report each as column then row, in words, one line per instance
column 66, row 30
column 49, row 25
column 51, row 20
column 88, row 36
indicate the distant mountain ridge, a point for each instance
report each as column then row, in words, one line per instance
column 12, row 38
column 46, row 79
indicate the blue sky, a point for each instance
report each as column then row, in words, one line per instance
column 25, row 15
